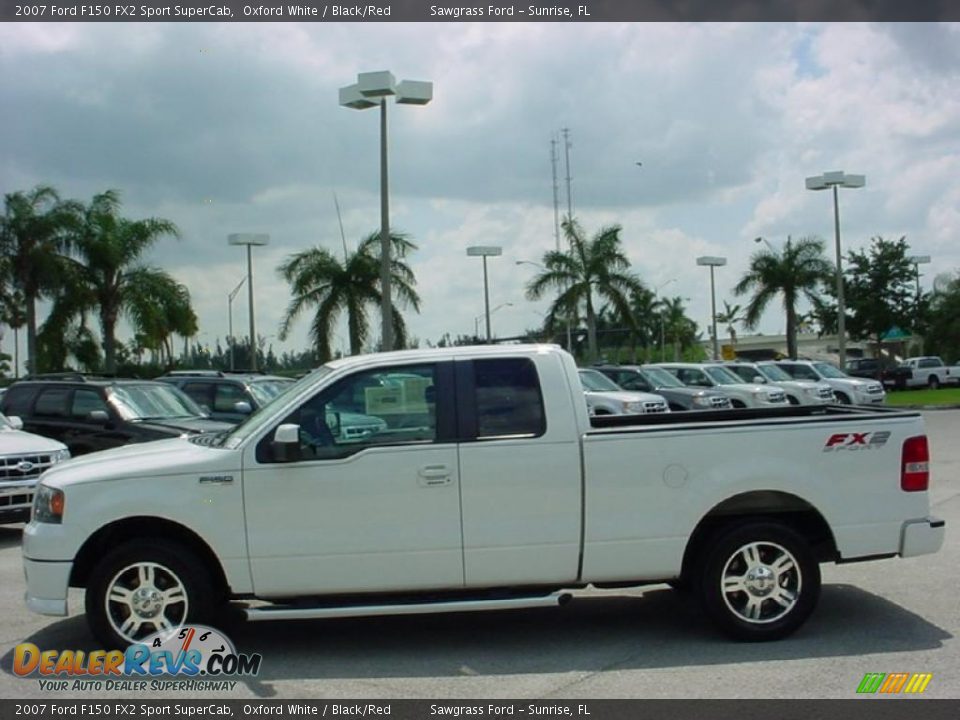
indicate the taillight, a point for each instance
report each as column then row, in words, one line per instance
column 915, row 468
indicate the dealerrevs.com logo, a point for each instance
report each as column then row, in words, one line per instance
column 842, row 442
column 204, row 656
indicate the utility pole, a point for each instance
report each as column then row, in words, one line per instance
column 556, row 193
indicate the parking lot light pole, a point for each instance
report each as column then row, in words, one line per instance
column 250, row 239
column 713, row 262
column 485, row 251
column 230, row 296
column 834, row 180
column 371, row 90
column 917, row 261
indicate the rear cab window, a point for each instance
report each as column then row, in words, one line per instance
column 503, row 399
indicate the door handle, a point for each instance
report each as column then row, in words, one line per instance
column 434, row 475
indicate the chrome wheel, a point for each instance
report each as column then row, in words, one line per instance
column 761, row 582
column 144, row 598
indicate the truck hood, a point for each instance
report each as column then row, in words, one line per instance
column 190, row 425
column 154, row 459
column 17, row 442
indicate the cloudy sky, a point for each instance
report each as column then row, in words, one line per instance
column 228, row 128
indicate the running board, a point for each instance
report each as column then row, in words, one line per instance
column 285, row 612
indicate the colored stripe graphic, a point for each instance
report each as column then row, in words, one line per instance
column 893, row 683
column 871, row 682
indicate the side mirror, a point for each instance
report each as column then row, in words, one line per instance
column 286, row 443
column 759, row 379
column 100, row 417
column 15, row 422
column 242, row 407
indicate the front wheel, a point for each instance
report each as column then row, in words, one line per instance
column 759, row 581
column 144, row 587
column 842, row 398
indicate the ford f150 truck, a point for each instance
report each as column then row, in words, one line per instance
column 930, row 372
column 489, row 487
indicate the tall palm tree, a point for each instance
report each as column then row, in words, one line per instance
column 594, row 269
column 730, row 317
column 34, row 232
column 678, row 328
column 796, row 272
column 320, row 281
column 109, row 251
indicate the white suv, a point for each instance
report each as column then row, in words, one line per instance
column 848, row 390
column 741, row 394
column 799, row 392
column 23, row 457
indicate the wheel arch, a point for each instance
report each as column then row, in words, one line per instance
column 754, row 505
column 139, row 528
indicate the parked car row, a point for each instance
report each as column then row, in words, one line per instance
column 915, row 372
column 738, row 384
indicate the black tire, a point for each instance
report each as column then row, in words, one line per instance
column 792, row 400
column 736, row 404
column 933, row 382
column 758, row 581
column 842, row 398
column 170, row 586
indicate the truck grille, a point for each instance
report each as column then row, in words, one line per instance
column 654, row 407
column 719, row 402
column 875, row 389
column 777, row 397
column 826, row 393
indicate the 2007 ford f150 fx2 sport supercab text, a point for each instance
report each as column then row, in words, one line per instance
column 486, row 486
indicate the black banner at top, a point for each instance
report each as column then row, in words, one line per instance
column 359, row 11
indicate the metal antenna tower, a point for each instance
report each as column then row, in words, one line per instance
column 566, row 150
column 554, row 159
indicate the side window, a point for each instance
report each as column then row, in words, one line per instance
column 744, row 373
column 18, row 400
column 226, row 395
column 508, row 398
column 387, row 406
column 629, row 381
column 199, row 392
column 52, row 402
column 85, row 402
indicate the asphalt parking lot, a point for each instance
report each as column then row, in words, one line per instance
column 886, row 616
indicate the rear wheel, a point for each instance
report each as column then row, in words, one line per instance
column 933, row 382
column 144, row 587
column 759, row 581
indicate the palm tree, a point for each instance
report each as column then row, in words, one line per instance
column 34, row 231
column 796, row 272
column 730, row 316
column 321, row 281
column 109, row 250
column 678, row 328
column 593, row 269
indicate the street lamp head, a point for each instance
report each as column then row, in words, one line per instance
column 414, row 92
column 377, row 84
column 836, row 178
column 711, row 260
column 248, row 239
column 351, row 97
column 919, row 259
column 484, row 250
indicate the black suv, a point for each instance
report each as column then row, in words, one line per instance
column 227, row 395
column 88, row 413
column 886, row 371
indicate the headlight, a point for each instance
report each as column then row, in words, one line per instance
column 633, row 408
column 813, row 391
column 761, row 396
column 702, row 401
column 48, row 505
column 59, row 456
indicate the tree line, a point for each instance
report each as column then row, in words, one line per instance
column 87, row 261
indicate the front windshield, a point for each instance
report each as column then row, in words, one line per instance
column 774, row 373
column 232, row 438
column 264, row 391
column 596, row 381
column 722, row 376
column 829, row 371
column 152, row 402
column 660, row 378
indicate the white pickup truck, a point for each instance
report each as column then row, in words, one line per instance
column 489, row 487
column 930, row 371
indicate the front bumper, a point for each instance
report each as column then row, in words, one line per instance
column 922, row 537
column 47, row 585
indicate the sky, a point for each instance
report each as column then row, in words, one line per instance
column 226, row 128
